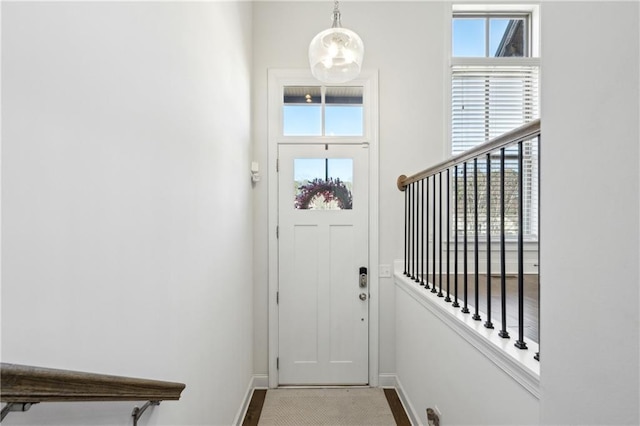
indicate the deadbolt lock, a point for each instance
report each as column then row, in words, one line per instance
column 363, row 277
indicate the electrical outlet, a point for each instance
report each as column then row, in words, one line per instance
column 437, row 410
column 384, row 271
column 434, row 417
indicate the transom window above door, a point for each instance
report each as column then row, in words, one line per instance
column 322, row 111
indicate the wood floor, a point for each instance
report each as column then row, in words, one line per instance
column 397, row 408
column 531, row 292
column 255, row 408
column 256, row 405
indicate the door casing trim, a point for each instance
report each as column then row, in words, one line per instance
column 369, row 80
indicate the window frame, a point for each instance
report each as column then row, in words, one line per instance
column 368, row 108
column 525, row 16
column 532, row 48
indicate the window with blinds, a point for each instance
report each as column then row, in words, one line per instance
column 494, row 89
column 487, row 101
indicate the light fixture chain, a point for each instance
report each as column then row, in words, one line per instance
column 336, row 15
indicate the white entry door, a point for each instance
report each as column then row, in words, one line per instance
column 323, row 307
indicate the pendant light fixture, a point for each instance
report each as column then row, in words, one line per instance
column 335, row 54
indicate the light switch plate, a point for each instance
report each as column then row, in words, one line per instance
column 384, row 271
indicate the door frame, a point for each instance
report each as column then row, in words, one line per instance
column 278, row 78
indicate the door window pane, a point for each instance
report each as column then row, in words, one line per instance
column 323, row 183
column 302, row 111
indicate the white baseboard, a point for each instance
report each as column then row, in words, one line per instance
column 413, row 415
column 387, row 380
column 392, row 381
column 257, row 381
column 261, row 381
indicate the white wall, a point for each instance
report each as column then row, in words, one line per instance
column 436, row 367
column 589, row 241
column 126, row 201
column 404, row 42
column 590, row 118
column 590, row 203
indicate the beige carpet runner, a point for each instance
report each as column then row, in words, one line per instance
column 330, row 407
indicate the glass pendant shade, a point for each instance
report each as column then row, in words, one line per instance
column 335, row 54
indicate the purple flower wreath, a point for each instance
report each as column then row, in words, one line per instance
column 330, row 190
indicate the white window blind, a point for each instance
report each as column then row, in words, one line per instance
column 488, row 101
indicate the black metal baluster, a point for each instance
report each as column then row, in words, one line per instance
column 520, row 343
column 537, row 355
column 503, row 270
column 455, row 303
column 448, row 298
column 488, row 323
column 416, row 252
column 411, row 234
column 434, row 237
column 426, row 232
column 410, row 188
column 440, row 234
column 414, row 232
column 406, row 229
column 422, row 233
column 408, row 214
column 476, row 315
column 465, row 308
column 433, row 284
